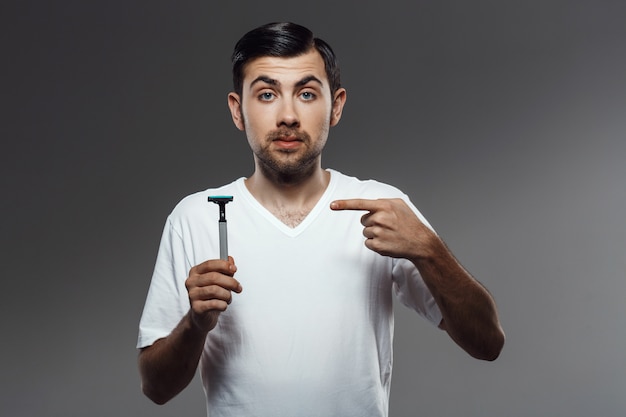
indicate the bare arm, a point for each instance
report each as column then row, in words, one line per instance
column 167, row 366
column 469, row 312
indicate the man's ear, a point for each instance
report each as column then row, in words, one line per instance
column 234, row 104
column 339, row 100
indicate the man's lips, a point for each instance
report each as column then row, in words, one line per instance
column 287, row 142
column 286, row 137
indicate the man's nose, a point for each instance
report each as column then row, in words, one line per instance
column 288, row 115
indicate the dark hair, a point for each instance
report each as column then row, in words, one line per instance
column 284, row 40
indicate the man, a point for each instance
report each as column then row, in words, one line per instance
column 301, row 324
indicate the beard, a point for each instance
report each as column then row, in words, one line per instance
column 289, row 166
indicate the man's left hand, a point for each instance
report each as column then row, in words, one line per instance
column 391, row 228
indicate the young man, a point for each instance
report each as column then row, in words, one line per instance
column 300, row 321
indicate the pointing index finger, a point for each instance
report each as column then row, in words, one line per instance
column 354, row 204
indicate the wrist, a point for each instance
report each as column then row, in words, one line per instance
column 428, row 248
column 196, row 327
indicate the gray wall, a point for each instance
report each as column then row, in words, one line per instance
column 505, row 122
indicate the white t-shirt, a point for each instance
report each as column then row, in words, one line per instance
column 311, row 333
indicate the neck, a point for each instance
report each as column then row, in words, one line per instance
column 288, row 190
column 287, row 198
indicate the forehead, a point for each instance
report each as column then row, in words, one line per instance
column 286, row 70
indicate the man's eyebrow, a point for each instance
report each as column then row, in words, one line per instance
column 264, row 79
column 308, row 79
column 271, row 81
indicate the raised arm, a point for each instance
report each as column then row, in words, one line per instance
column 168, row 366
column 469, row 312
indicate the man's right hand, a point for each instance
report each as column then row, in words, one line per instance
column 210, row 286
column 170, row 363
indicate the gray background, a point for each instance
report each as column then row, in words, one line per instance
column 505, row 122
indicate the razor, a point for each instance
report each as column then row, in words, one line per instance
column 222, row 200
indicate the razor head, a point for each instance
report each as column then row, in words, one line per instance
column 217, row 199
column 221, row 200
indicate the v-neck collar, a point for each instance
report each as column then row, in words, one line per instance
column 322, row 204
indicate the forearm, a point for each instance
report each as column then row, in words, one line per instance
column 170, row 364
column 469, row 312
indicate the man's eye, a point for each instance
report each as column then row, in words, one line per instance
column 307, row 95
column 267, row 96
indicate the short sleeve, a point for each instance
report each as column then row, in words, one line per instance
column 412, row 291
column 167, row 300
column 409, row 286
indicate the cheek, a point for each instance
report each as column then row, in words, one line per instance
column 249, row 119
column 258, row 112
column 318, row 117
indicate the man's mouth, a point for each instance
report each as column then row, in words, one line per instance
column 290, row 138
column 286, row 139
column 287, row 142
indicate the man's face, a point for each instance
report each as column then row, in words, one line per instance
column 286, row 110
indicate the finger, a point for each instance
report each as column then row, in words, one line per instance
column 355, row 204
column 212, row 292
column 220, row 280
column 227, row 267
column 207, row 279
column 365, row 219
column 209, row 306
